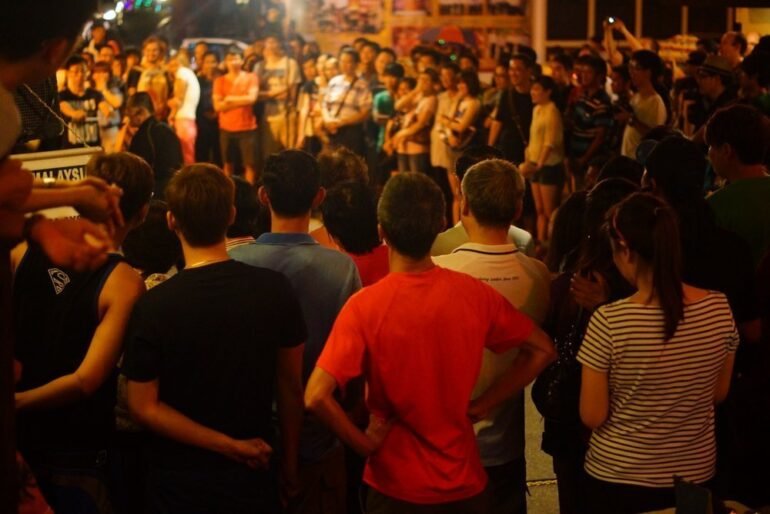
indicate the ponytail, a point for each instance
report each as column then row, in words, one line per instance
column 649, row 227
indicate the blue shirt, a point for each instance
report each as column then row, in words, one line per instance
column 323, row 280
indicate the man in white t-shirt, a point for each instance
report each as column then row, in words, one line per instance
column 492, row 193
column 187, row 94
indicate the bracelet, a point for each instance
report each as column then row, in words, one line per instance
column 29, row 225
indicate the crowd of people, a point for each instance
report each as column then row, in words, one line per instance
column 316, row 283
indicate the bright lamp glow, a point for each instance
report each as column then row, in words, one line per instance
column 119, row 7
column 110, row 15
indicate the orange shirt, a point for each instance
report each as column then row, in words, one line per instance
column 419, row 339
column 240, row 118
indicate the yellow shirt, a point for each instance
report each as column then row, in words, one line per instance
column 546, row 130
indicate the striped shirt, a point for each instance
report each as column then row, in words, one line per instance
column 661, row 420
column 590, row 113
column 356, row 101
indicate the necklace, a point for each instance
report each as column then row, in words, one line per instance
column 204, row 262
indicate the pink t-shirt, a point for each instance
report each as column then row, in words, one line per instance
column 419, row 338
column 240, row 118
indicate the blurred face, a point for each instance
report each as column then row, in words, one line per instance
column 173, row 65
column 588, row 76
column 639, row 76
column 234, row 63
column 132, row 61
column 425, row 84
column 106, row 54
column 462, row 87
column 727, row 47
column 619, row 84
column 467, row 64
column 200, row 51
column 707, row 84
column 382, row 61
column 98, row 34
column 347, row 65
column 424, row 62
column 272, row 46
column 331, row 69
column 210, row 62
column 137, row 116
column 152, row 53
column 539, row 94
column 518, row 73
column 718, row 157
column 310, row 70
column 448, row 78
column 368, row 55
column 76, row 76
column 559, row 73
column 403, row 88
column 501, row 77
column 390, row 82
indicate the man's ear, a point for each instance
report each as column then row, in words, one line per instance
column 465, row 209
column 319, row 198
column 171, row 222
column 233, row 212
column 381, row 232
column 262, row 195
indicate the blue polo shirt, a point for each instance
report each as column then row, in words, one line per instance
column 323, row 280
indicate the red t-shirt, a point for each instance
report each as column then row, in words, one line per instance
column 240, row 118
column 419, row 338
column 372, row 266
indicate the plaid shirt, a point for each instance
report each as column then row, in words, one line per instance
column 358, row 100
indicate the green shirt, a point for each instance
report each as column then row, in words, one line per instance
column 743, row 207
column 383, row 105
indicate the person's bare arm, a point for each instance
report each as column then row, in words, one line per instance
column 725, row 377
column 533, row 357
column 290, row 410
column 243, row 100
column 71, row 112
column 594, row 398
column 319, row 399
column 121, row 290
column 469, row 116
column 408, row 101
column 145, row 406
column 494, row 132
column 596, row 144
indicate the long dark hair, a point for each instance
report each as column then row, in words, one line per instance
column 648, row 226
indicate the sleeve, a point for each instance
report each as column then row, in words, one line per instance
column 508, row 327
column 343, row 354
column 142, row 359
column 552, row 128
column 602, row 116
column 292, row 330
column 218, row 87
column 596, row 350
column 377, row 103
column 169, row 158
column 502, row 108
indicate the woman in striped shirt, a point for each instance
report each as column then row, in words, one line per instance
column 654, row 364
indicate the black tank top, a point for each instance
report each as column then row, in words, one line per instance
column 56, row 313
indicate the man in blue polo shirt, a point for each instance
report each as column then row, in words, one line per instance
column 323, row 280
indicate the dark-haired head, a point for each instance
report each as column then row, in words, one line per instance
column 621, row 166
column 246, row 210
column 411, row 214
column 350, row 216
column 648, row 61
column 340, row 164
column 644, row 235
column 291, row 183
column 471, row 81
column 132, row 174
column 676, row 168
column 475, row 154
column 736, row 135
column 152, row 247
column 566, row 234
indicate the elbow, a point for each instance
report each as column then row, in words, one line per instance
column 592, row 418
column 87, row 386
column 314, row 400
column 720, row 395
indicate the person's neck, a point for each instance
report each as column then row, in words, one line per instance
column 647, row 89
column 234, row 73
column 735, row 61
column 747, row 171
column 120, row 235
column 351, row 77
column 645, row 290
column 523, row 88
column 284, row 225
column 77, row 90
column 273, row 58
column 399, row 263
column 452, row 91
column 484, row 235
column 197, row 256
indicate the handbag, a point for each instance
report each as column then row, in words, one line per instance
column 556, row 391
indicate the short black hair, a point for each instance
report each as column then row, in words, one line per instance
column 449, row 65
column 623, row 72
column 212, row 52
column 152, row 247
column 595, row 63
column 132, row 51
column 394, row 70
column 51, row 19
column 246, row 209
column 371, row 44
column 340, row 164
column 564, row 59
column 473, row 58
column 649, row 60
column 352, row 53
column 291, row 179
column 75, row 60
column 473, row 155
column 141, row 100
column 525, row 59
column 741, row 42
column 621, row 166
column 471, row 79
column 757, row 64
column 411, row 81
column 411, row 213
column 389, row 51
column 744, row 128
column 493, row 190
column 545, row 82
column 678, row 167
column 234, row 50
column 350, row 216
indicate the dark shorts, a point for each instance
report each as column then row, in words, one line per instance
column 378, row 503
column 246, row 142
column 549, row 175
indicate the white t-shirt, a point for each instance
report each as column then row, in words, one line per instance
column 525, row 283
column 192, row 94
column 447, row 241
column 651, row 111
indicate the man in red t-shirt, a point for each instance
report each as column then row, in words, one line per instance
column 418, row 337
column 235, row 94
